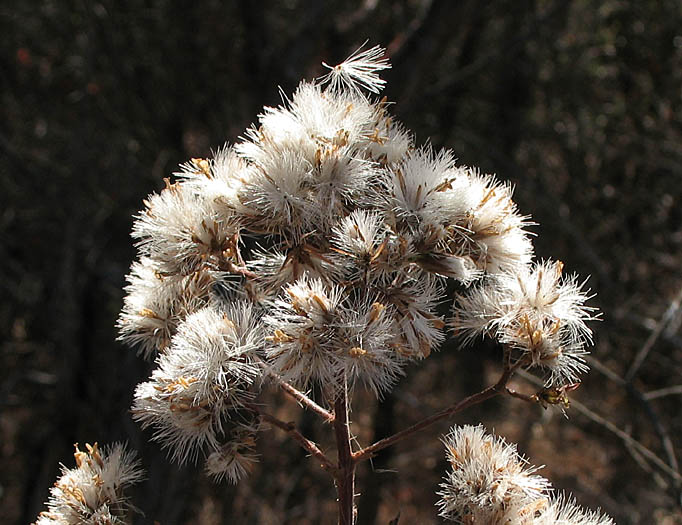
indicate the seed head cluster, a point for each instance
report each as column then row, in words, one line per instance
column 489, row 482
column 320, row 248
column 93, row 492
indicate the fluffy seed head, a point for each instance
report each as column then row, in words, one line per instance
column 93, row 491
column 302, row 334
column 155, row 304
column 182, row 233
column 536, row 311
column 489, row 482
column 202, row 381
column 234, row 459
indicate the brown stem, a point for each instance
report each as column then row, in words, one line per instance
column 345, row 474
column 298, row 395
column 491, row 391
column 304, row 400
column 519, row 395
column 290, row 429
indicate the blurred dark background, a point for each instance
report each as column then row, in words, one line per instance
column 575, row 102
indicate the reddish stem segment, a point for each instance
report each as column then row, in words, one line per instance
column 305, row 400
column 298, row 395
column 345, row 477
column 465, row 403
column 308, row 445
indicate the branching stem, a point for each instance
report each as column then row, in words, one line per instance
column 487, row 393
column 304, row 400
column 299, row 396
column 291, row 429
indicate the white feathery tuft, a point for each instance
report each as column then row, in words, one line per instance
column 360, row 70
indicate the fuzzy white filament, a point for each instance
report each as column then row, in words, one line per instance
column 562, row 510
column 536, row 311
column 359, row 71
column 155, row 304
column 93, row 492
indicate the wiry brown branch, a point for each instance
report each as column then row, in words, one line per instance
column 487, row 393
column 627, row 438
column 291, row 429
column 653, row 337
column 643, row 401
column 299, row 396
column 662, row 392
column 304, row 400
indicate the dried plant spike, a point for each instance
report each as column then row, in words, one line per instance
column 321, row 252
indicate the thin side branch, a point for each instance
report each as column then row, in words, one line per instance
column 304, row 400
column 662, row 392
column 489, row 392
column 627, row 438
column 299, row 396
column 643, row 400
column 307, row 444
column 651, row 341
column 519, row 395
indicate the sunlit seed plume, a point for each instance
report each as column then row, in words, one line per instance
column 181, row 233
column 301, row 326
column 219, row 180
column 489, row 482
column 236, row 458
column 490, row 230
column 358, row 71
column 155, row 304
column 563, row 510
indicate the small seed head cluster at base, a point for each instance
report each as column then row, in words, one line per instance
column 490, row 483
column 93, row 492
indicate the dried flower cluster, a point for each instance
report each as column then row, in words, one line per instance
column 92, row 493
column 491, row 483
column 318, row 250
column 335, row 237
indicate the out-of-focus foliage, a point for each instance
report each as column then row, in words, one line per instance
column 578, row 103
